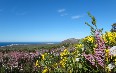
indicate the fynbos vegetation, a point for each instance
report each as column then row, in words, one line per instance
column 94, row 54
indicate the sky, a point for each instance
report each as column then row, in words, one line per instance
column 52, row 20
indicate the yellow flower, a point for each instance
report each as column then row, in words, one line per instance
column 109, row 38
column 111, row 56
column 107, row 54
column 108, row 69
column 55, row 65
column 79, row 46
column 89, row 39
column 45, row 70
column 107, row 50
column 63, row 62
column 43, row 57
column 37, row 63
column 115, row 61
column 70, row 71
column 65, row 52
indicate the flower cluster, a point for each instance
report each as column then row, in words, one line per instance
column 99, row 53
column 89, row 39
column 17, row 61
column 110, row 38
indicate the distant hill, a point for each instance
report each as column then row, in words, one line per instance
column 71, row 40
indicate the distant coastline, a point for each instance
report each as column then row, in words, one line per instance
column 3, row 44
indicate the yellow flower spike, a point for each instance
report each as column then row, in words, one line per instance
column 65, row 52
column 107, row 59
column 70, row 71
column 62, row 54
column 55, row 65
column 115, row 61
column 43, row 57
column 37, row 63
column 78, row 46
column 109, row 38
column 45, row 70
column 111, row 56
column 107, row 68
column 107, row 54
column 63, row 62
column 107, row 50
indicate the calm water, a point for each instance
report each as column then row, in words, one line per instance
column 25, row 43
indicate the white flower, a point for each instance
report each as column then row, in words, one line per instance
column 3, row 65
column 30, row 53
column 15, row 66
column 111, row 66
column 83, row 49
column 21, row 69
column 113, row 51
column 77, row 59
column 79, row 54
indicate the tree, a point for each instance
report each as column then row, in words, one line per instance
column 113, row 28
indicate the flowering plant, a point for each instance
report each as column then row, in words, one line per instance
column 94, row 54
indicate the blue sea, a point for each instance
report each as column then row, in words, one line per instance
column 25, row 43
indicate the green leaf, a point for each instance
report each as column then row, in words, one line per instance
column 80, row 66
column 85, row 68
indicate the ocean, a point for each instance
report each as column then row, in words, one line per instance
column 2, row 44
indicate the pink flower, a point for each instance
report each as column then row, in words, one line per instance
column 99, row 54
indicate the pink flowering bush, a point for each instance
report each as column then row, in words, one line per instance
column 99, row 57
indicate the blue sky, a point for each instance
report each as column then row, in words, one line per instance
column 52, row 20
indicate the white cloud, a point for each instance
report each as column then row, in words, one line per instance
column 61, row 10
column 76, row 17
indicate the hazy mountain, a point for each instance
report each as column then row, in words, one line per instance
column 71, row 40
